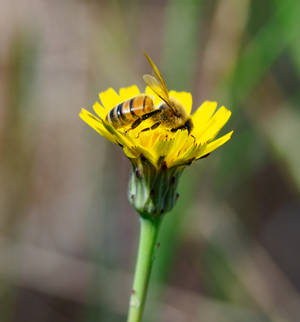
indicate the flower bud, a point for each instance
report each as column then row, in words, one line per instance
column 153, row 191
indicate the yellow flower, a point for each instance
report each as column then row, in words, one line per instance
column 160, row 145
column 158, row 156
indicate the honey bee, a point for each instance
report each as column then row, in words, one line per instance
column 170, row 113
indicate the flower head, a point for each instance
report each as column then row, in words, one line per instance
column 159, row 142
column 161, row 145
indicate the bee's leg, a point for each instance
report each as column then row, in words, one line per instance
column 136, row 123
column 146, row 116
column 154, row 126
column 183, row 127
column 186, row 126
column 175, row 129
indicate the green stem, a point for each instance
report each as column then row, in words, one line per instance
column 148, row 236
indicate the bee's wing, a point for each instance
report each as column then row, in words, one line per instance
column 158, row 75
column 153, row 83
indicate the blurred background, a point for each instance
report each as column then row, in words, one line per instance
column 68, row 237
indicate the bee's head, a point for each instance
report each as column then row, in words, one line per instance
column 189, row 125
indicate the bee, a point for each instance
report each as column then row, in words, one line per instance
column 170, row 113
column 132, row 112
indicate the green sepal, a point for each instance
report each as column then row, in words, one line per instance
column 153, row 190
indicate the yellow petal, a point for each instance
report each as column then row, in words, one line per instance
column 185, row 98
column 147, row 153
column 215, row 144
column 130, row 153
column 214, row 125
column 188, row 148
column 148, row 139
column 100, row 110
column 122, row 139
column 179, row 142
column 203, row 114
column 110, row 98
column 189, row 155
column 163, row 146
column 129, row 92
column 96, row 124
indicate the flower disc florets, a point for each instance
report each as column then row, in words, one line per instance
column 158, row 156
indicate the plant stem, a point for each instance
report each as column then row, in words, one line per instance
column 148, row 235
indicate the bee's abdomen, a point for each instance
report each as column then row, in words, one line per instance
column 127, row 112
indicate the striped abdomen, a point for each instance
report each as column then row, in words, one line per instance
column 129, row 111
